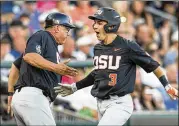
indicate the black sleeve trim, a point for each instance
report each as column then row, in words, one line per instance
column 87, row 81
column 151, row 66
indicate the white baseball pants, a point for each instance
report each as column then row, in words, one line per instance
column 115, row 111
column 31, row 107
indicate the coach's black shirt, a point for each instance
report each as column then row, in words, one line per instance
column 115, row 67
column 43, row 43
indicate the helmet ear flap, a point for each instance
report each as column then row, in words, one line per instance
column 111, row 28
column 106, row 28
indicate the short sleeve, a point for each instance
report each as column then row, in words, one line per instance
column 17, row 62
column 35, row 44
column 141, row 58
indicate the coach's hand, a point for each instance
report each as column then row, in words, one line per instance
column 172, row 92
column 63, row 69
column 9, row 109
column 65, row 89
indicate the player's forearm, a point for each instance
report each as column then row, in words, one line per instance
column 159, row 72
column 38, row 61
column 87, row 81
column 13, row 77
column 161, row 76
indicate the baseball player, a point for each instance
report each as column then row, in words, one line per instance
column 40, row 71
column 113, row 77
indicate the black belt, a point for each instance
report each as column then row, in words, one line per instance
column 109, row 96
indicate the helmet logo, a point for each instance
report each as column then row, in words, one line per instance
column 56, row 21
column 116, row 16
column 99, row 12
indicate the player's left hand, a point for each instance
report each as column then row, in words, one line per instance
column 65, row 89
column 172, row 92
column 9, row 109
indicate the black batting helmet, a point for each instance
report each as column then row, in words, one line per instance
column 110, row 16
column 58, row 19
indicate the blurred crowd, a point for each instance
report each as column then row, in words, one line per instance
column 153, row 25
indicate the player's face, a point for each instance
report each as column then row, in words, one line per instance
column 98, row 27
column 63, row 33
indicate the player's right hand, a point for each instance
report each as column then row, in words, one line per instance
column 65, row 89
column 63, row 69
column 9, row 109
column 172, row 92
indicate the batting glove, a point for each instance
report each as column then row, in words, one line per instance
column 172, row 92
column 65, row 89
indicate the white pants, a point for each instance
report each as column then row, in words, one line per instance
column 31, row 107
column 114, row 111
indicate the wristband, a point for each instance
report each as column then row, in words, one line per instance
column 164, row 80
column 167, row 87
column 10, row 93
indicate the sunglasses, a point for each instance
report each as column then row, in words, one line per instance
column 66, row 28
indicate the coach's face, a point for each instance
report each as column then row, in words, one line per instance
column 62, row 33
column 98, row 27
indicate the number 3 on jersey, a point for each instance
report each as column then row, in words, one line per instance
column 113, row 78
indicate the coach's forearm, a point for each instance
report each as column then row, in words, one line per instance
column 161, row 76
column 38, row 61
column 13, row 77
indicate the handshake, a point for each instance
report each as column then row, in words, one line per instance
column 65, row 89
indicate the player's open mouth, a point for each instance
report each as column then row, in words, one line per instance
column 97, row 33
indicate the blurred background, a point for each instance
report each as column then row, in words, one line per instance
column 153, row 25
